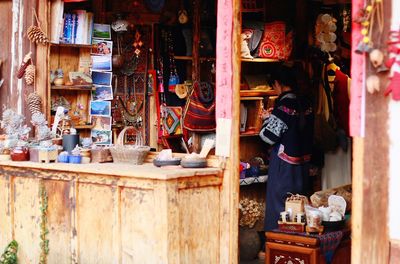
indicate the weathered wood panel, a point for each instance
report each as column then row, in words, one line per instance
column 194, row 224
column 59, row 221
column 140, row 225
column 17, row 16
column 394, row 251
column 6, row 210
column 370, row 239
column 95, row 218
column 5, row 55
column 26, row 221
column 95, row 208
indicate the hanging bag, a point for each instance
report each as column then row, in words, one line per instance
column 324, row 124
column 199, row 115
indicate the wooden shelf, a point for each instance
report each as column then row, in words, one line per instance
column 84, row 127
column 183, row 58
column 189, row 58
column 251, row 98
column 86, row 46
column 74, row 87
column 252, row 180
column 254, row 134
column 252, row 93
column 252, row 10
column 259, row 60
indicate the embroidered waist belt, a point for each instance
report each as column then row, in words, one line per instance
column 291, row 159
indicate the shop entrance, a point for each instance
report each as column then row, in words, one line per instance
column 340, row 166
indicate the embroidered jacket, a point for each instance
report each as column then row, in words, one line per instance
column 290, row 125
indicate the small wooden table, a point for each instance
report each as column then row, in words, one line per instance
column 302, row 249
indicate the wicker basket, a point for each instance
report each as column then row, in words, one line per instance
column 132, row 154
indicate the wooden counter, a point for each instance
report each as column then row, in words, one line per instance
column 112, row 213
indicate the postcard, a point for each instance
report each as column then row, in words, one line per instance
column 102, row 31
column 101, row 137
column 102, row 93
column 100, row 108
column 101, row 122
column 101, row 63
column 80, row 78
column 102, row 78
column 103, row 47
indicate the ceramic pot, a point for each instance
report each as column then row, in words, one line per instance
column 58, row 81
column 20, row 154
column 63, row 158
column 77, row 159
column 69, row 142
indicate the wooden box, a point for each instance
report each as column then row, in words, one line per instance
column 101, row 155
column 290, row 248
column 48, row 156
column 291, row 226
column 295, row 204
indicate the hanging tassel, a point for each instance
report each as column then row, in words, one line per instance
column 363, row 47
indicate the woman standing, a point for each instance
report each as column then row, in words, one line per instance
column 288, row 127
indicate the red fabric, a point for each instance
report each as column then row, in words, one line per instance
column 341, row 101
column 394, row 87
column 275, row 44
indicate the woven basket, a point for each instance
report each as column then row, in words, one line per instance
column 132, row 154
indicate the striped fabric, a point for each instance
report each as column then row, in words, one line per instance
column 200, row 108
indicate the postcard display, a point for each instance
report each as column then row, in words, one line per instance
column 102, row 95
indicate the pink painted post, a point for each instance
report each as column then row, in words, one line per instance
column 224, row 60
column 357, row 92
column 224, row 78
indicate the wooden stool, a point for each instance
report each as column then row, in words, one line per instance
column 48, row 156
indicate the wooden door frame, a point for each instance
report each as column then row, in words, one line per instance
column 370, row 175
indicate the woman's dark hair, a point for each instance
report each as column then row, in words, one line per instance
column 286, row 76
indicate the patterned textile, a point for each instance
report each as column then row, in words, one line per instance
column 328, row 242
column 276, row 44
column 172, row 116
column 290, row 124
column 276, row 126
column 199, row 112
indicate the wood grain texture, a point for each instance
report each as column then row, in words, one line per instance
column 139, row 213
column 286, row 247
column 42, row 56
column 370, row 175
column 5, row 55
column 16, row 17
column 95, row 226
column 112, row 219
column 27, row 219
column 59, row 221
column 6, row 210
column 145, row 171
column 201, row 219
column 394, row 251
column 230, row 188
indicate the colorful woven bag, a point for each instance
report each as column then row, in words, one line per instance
column 199, row 112
column 172, row 116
